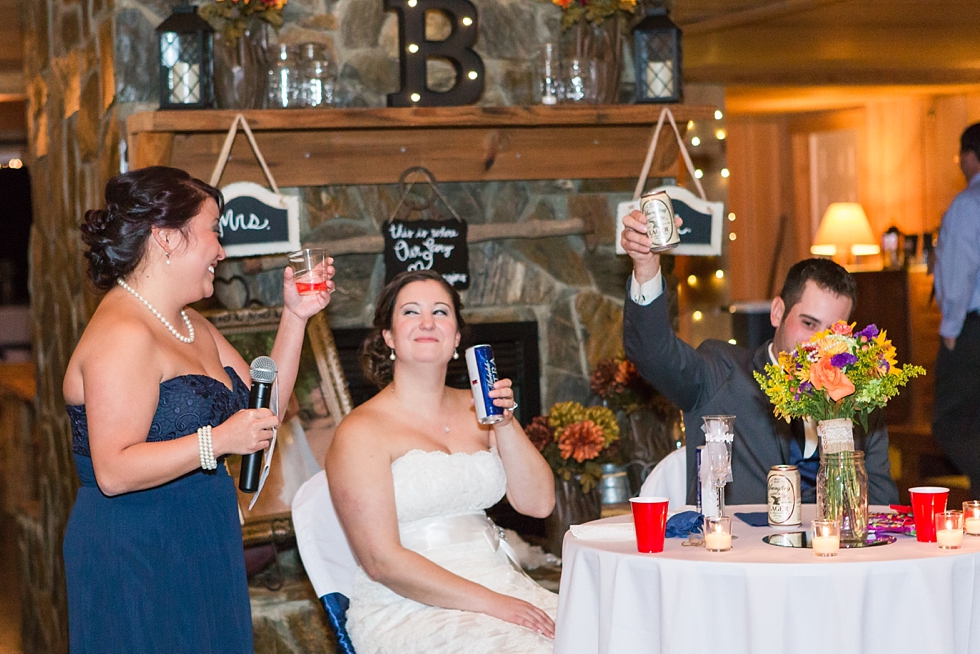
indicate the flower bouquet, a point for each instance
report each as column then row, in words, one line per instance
column 234, row 17
column 592, row 11
column 576, row 440
column 838, row 378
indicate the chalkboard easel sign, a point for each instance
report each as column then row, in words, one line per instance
column 437, row 245
column 257, row 221
column 701, row 232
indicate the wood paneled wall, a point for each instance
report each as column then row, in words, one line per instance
column 906, row 165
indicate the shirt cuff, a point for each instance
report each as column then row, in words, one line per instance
column 645, row 293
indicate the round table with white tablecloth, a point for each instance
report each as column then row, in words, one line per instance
column 759, row 599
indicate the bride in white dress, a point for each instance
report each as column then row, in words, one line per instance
column 411, row 472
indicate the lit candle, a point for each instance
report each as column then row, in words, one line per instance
column 718, row 541
column 185, row 83
column 973, row 526
column 660, row 79
column 826, row 545
column 949, row 539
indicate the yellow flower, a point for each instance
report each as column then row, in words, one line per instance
column 888, row 354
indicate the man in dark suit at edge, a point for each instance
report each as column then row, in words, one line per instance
column 716, row 378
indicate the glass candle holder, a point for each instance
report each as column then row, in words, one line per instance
column 949, row 529
column 717, row 533
column 826, row 537
column 971, row 517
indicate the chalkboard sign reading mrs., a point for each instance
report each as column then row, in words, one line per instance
column 438, row 245
column 257, row 221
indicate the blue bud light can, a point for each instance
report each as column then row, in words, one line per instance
column 483, row 375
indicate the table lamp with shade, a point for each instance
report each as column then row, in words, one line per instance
column 845, row 234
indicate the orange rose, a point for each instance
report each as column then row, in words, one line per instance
column 824, row 376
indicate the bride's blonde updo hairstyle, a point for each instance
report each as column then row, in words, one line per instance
column 376, row 360
column 135, row 202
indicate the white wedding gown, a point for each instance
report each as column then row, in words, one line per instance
column 440, row 499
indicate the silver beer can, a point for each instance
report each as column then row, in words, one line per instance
column 659, row 212
column 783, row 493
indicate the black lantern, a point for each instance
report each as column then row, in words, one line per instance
column 186, row 50
column 657, row 54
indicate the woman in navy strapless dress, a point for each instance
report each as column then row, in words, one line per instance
column 156, row 398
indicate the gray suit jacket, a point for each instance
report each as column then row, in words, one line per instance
column 716, row 379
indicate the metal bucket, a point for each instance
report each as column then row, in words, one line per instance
column 615, row 485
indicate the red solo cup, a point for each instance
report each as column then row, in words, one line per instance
column 927, row 501
column 650, row 521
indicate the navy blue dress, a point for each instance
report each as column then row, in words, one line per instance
column 163, row 569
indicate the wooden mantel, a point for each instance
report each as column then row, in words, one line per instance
column 317, row 147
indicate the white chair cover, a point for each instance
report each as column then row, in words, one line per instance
column 322, row 544
column 668, row 479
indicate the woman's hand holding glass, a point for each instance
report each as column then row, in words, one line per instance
column 308, row 304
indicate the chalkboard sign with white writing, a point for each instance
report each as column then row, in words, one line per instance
column 257, row 221
column 438, row 245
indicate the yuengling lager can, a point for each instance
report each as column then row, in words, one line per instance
column 783, row 493
column 659, row 212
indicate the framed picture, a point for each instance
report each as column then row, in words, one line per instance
column 320, row 400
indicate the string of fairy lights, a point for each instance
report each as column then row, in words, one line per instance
column 705, row 286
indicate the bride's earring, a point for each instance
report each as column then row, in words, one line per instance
column 168, row 258
column 392, row 355
column 455, row 354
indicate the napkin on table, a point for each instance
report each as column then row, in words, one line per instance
column 604, row 531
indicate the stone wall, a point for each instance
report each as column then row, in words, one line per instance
column 73, row 140
column 91, row 63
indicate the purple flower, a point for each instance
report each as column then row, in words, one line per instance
column 868, row 332
column 843, row 359
column 806, row 387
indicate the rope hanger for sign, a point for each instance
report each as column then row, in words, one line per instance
column 420, row 205
column 257, row 221
column 436, row 244
column 648, row 162
column 219, row 167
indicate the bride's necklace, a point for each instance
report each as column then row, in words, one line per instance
column 166, row 323
column 445, row 425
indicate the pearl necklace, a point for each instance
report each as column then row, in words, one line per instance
column 166, row 323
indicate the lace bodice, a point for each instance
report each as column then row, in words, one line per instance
column 186, row 403
column 429, row 484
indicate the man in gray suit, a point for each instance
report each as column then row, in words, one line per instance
column 716, row 378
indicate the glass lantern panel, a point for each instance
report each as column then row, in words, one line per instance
column 658, row 78
column 181, row 55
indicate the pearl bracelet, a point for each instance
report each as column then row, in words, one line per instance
column 205, row 447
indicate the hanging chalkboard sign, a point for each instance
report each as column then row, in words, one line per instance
column 257, row 221
column 438, row 245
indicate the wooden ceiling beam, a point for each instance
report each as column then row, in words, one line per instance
column 754, row 15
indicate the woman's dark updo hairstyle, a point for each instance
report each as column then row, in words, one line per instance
column 375, row 353
column 137, row 201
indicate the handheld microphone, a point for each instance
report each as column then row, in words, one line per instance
column 263, row 371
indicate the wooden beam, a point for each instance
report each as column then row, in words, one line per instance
column 753, row 15
column 319, row 158
column 374, row 146
column 475, row 234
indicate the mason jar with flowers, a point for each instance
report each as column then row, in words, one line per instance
column 838, row 378
column 596, row 28
column 575, row 440
column 241, row 59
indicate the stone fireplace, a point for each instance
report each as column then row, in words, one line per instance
column 86, row 64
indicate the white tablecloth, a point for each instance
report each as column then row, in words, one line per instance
column 757, row 598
